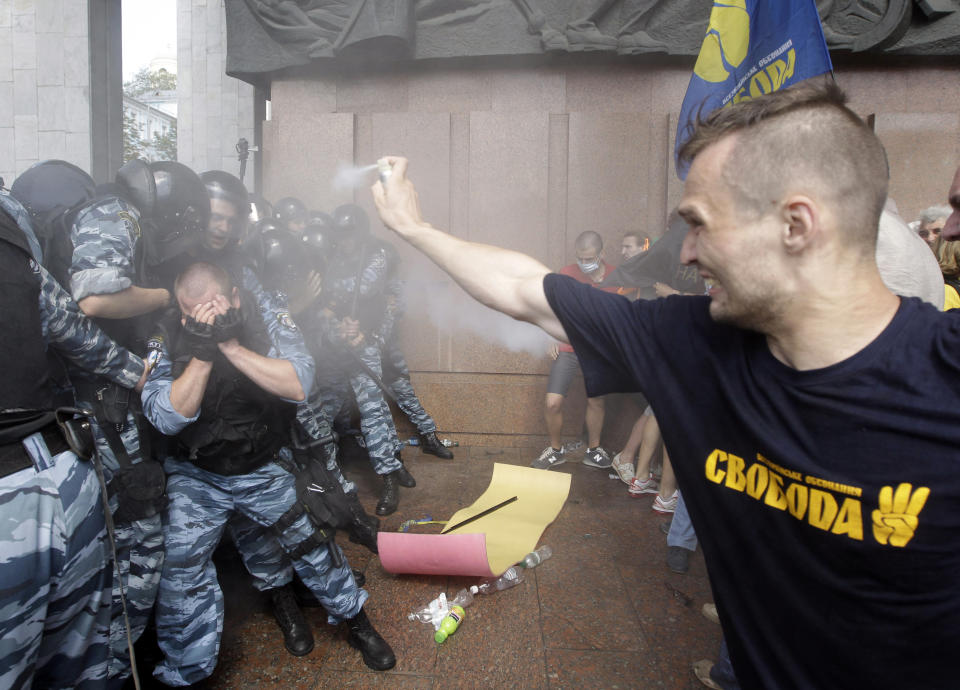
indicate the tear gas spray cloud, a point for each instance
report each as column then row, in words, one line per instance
column 451, row 308
column 454, row 310
column 350, row 177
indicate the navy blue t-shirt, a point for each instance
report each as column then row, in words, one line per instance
column 827, row 502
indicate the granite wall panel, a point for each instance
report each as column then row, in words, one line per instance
column 609, row 177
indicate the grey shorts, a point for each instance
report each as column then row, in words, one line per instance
column 562, row 371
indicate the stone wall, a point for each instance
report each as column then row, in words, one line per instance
column 44, row 83
column 527, row 158
column 213, row 110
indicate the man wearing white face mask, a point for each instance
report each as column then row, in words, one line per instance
column 589, row 268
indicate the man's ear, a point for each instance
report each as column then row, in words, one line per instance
column 801, row 223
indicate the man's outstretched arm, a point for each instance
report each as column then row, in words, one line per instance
column 505, row 280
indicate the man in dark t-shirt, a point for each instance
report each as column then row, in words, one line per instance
column 810, row 412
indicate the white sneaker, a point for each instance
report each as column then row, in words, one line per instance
column 639, row 487
column 666, row 506
column 549, row 458
column 623, row 469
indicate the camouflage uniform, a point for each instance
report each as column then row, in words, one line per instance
column 259, row 549
column 104, row 237
column 55, row 575
column 190, row 603
column 376, row 421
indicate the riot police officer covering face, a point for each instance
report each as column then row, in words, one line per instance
column 226, row 367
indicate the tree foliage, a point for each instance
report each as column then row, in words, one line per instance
column 146, row 81
column 132, row 143
column 166, row 144
column 160, row 146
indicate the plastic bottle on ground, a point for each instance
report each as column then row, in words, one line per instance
column 535, row 558
column 464, row 597
column 512, row 577
column 449, row 624
column 433, row 613
column 447, row 443
column 413, row 441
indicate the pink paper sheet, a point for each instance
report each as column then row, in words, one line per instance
column 434, row 554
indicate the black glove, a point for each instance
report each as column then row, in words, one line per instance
column 228, row 326
column 199, row 339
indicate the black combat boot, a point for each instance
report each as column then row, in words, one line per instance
column 363, row 636
column 390, row 496
column 363, row 528
column 429, row 443
column 403, row 476
column 297, row 636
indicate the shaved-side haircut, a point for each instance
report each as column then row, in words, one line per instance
column 805, row 140
column 196, row 278
column 588, row 240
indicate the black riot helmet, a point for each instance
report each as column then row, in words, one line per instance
column 283, row 262
column 319, row 239
column 290, row 210
column 52, row 192
column 51, row 188
column 181, row 212
column 260, row 209
column 222, row 185
column 351, row 220
column 140, row 187
column 252, row 243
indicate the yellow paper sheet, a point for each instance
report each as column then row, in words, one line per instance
column 514, row 530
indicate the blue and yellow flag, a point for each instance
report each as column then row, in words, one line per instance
column 752, row 47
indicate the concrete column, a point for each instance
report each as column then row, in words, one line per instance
column 213, row 110
column 44, row 83
column 106, row 89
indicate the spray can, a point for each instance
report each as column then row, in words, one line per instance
column 384, row 170
column 449, row 624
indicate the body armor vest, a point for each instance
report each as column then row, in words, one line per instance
column 24, row 384
column 241, row 426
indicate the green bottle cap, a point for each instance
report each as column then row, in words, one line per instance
column 440, row 636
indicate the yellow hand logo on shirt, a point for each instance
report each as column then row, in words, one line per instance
column 896, row 520
column 727, row 40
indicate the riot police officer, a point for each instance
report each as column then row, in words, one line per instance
column 123, row 246
column 56, row 575
column 260, row 549
column 227, row 368
column 291, row 215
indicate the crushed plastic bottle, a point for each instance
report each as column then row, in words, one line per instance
column 511, row 578
column 433, row 613
column 535, row 558
column 464, row 597
column 447, row 443
column 449, row 624
column 413, row 441
column 438, row 609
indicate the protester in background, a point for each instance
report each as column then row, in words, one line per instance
column 948, row 256
column 590, row 269
column 931, row 223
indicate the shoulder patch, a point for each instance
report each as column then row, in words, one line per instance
column 132, row 225
column 286, row 321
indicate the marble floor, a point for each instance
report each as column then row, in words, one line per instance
column 603, row 612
